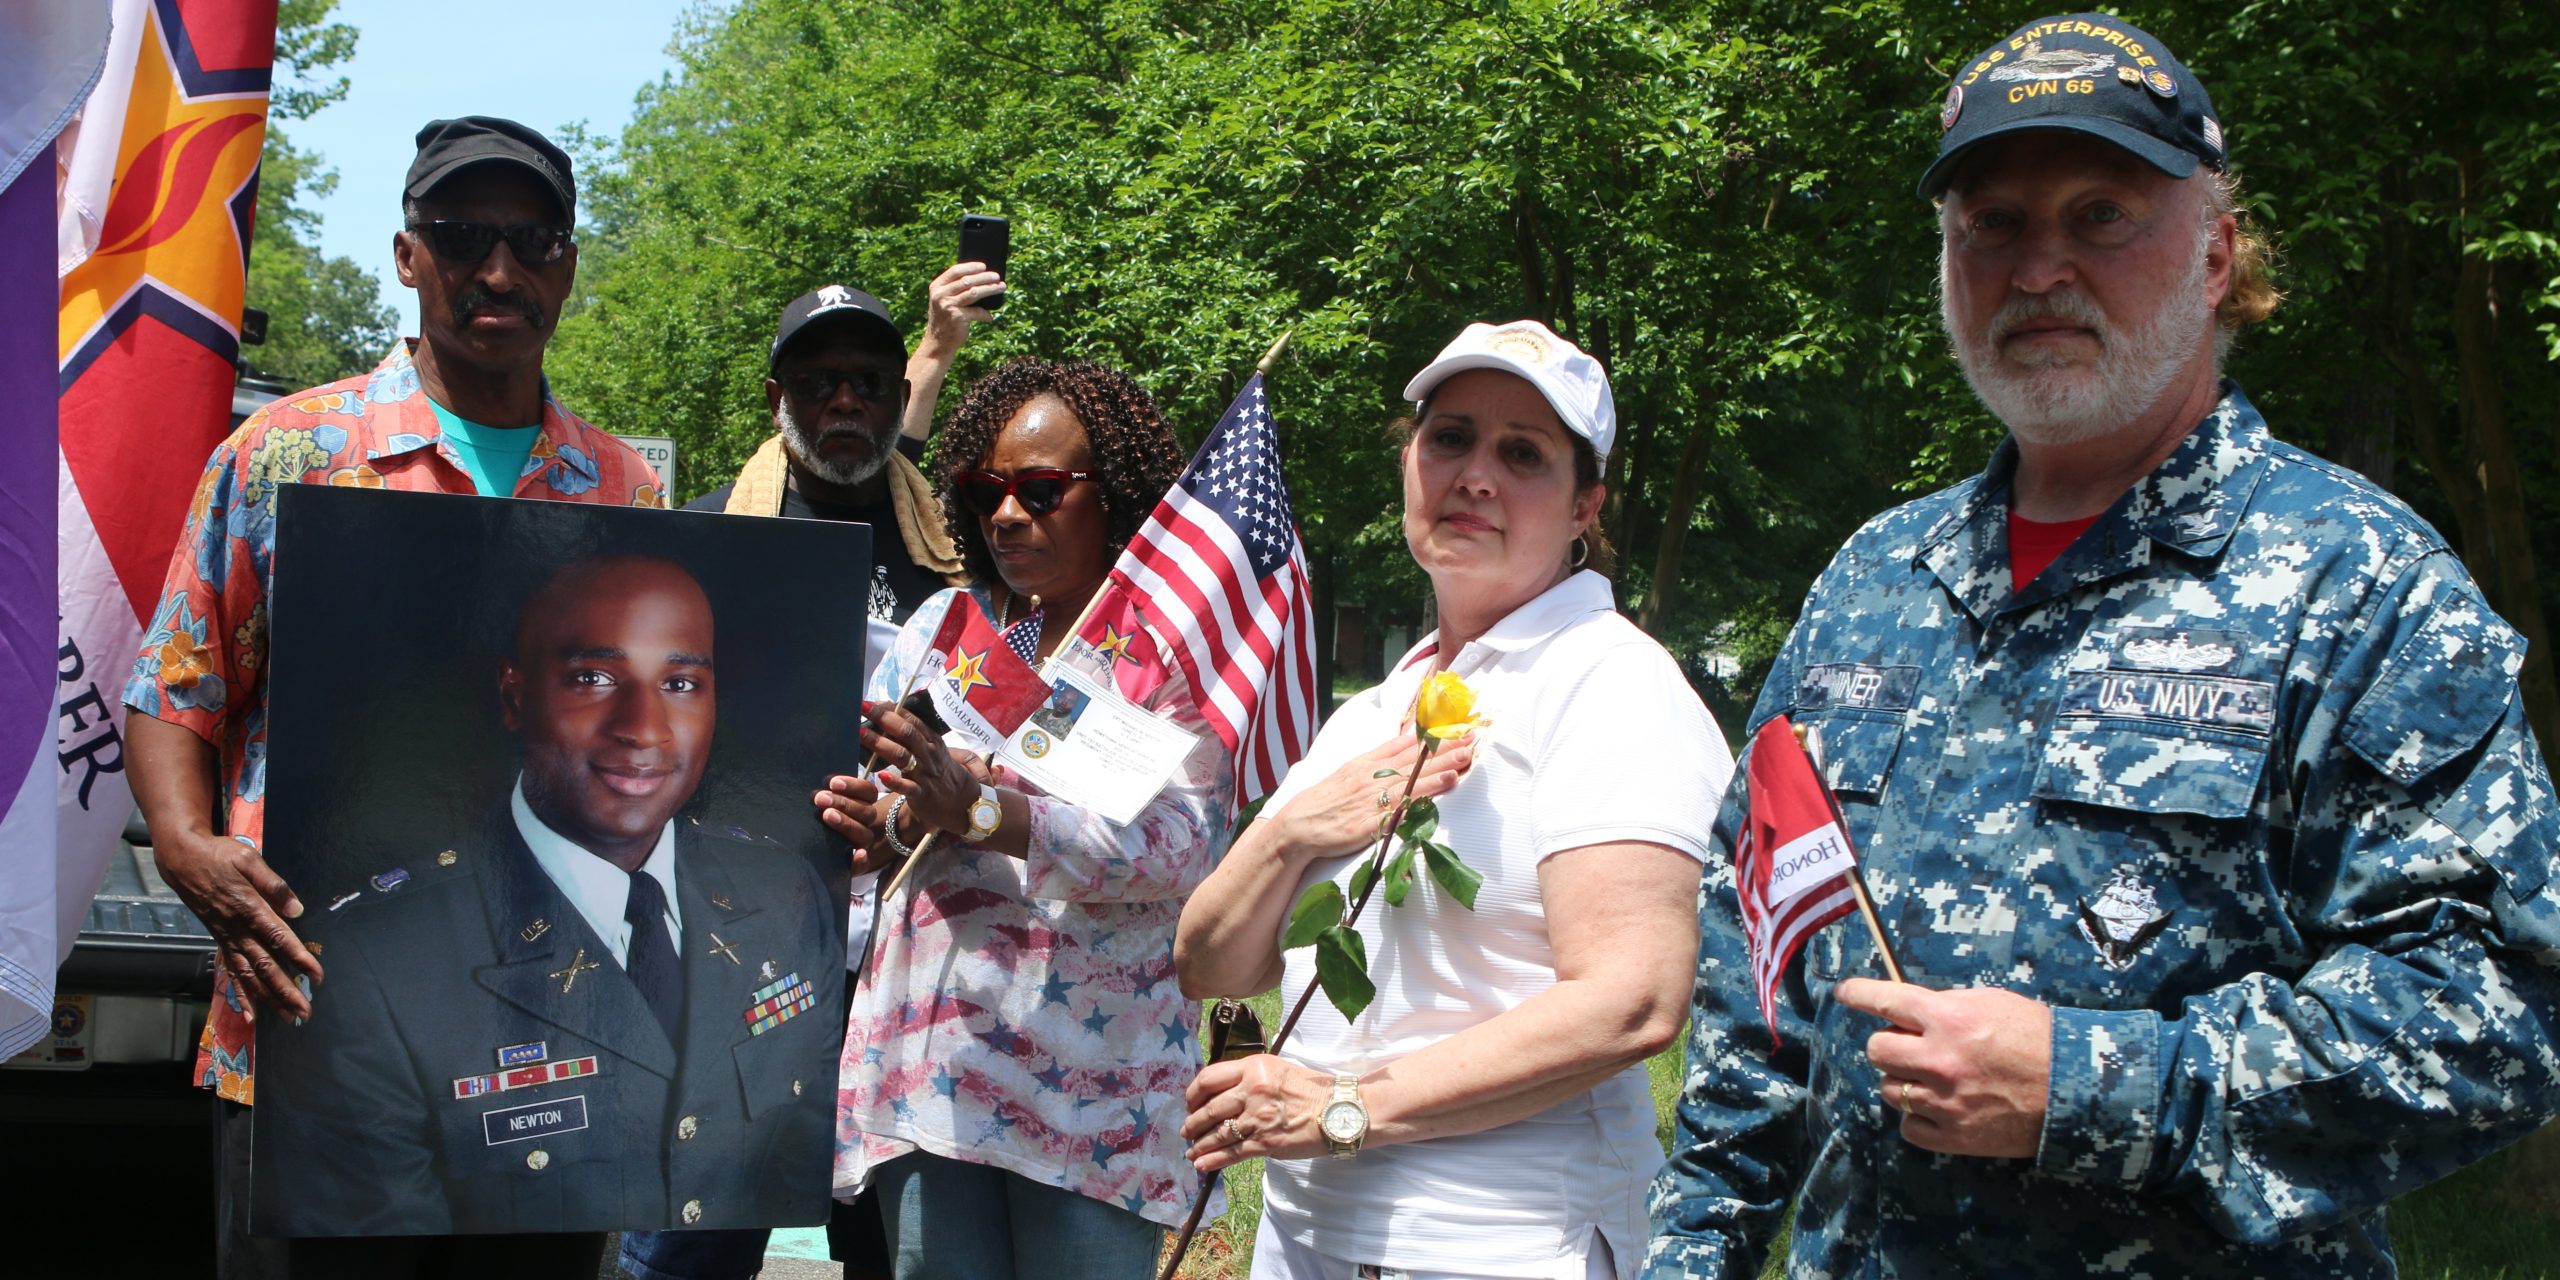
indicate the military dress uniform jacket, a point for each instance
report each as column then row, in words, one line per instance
column 2241, row 785
column 403, row 1107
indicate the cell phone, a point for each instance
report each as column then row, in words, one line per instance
column 986, row 238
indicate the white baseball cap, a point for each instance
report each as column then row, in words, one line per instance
column 1573, row 383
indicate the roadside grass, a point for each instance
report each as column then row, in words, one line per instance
column 2463, row 1228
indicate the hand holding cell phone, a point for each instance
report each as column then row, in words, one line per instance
column 988, row 240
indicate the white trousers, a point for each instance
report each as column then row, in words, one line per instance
column 1277, row 1257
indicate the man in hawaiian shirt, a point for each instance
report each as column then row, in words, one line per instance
column 463, row 408
column 2189, row 772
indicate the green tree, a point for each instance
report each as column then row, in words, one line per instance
column 325, row 318
column 2411, row 164
column 1695, row 200
column 1712, row 195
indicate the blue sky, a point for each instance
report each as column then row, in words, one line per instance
column 543, row 62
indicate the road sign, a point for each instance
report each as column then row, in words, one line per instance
column 661, row 453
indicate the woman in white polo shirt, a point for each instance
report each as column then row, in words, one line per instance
column 1498, row 1121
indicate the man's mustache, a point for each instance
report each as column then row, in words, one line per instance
column 2071, row 308
column 481, row 301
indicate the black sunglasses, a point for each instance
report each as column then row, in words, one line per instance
column 469, row 242
column 1040, row 489
column 818, row 386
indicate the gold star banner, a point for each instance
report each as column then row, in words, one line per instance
column 158, row 181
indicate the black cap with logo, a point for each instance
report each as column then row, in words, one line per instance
column 2089, row 72
column 446, row 146
column 834, row 303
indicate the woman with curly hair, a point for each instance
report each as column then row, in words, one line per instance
column 1016, row 1056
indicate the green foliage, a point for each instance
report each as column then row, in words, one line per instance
column 325, row 318
column 1690, row 191
column 1454, row 877
column 1342, row 969
column 1318, row 909
column 1363, row 876
column 1399, row 875
column 307, row 44
column 1714, row 196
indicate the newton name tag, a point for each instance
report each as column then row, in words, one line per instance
column 535, row 1120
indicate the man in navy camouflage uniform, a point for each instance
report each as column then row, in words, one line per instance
column 2189, row 772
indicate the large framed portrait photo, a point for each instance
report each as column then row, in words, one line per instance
column 541, row 774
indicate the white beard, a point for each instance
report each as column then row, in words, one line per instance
column 804, row 450
column 2057, row 399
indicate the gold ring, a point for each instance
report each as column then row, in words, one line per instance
column 1906, row 1097
column 1234, row 1134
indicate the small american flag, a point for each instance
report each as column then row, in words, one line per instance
column 1219, row 569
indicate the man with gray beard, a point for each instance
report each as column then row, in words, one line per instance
column 2187, row 769
column 840, row 386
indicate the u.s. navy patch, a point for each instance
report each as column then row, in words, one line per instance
column 779, row 1003
column 2179, row 675
column 534, row 1120
column 2217, row 701
column 1857, row 684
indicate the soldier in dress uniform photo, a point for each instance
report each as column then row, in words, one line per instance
column 585, row 1005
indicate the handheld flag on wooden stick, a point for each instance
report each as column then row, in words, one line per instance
column 1794, row 869
column 979, row 684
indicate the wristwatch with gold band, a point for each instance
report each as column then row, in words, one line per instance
column 1345, row 1119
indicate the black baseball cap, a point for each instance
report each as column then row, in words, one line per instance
column 836, row 304
column 447, row 146
column 2099, row 75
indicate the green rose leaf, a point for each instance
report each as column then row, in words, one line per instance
column 1318, row 909
column 1362, row 876
column 1386, row 773
column 1457, row 878
column 1342, row 969
column 1399, row 876
column 1421, row 819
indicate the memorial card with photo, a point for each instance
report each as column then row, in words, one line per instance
column 540, row 774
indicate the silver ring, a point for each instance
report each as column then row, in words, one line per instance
column 1383, row 801
column 1234, row 1134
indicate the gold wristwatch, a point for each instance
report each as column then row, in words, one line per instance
column 1345, row 1119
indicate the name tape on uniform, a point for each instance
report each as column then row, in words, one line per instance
column 534, row 1120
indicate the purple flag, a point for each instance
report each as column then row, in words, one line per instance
column 29, row 928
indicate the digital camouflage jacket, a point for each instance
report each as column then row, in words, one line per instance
column 2241, row 785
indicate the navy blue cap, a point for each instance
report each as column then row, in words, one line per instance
column 835, row 303
column 2099, row 75
column 448, row 146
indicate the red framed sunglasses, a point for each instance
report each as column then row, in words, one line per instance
column 1039, row 489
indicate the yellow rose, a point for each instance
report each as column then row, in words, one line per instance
column 1447, row 707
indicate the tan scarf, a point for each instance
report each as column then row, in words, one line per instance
column 762, row 481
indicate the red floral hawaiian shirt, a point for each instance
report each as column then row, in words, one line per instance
column 203, row 662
